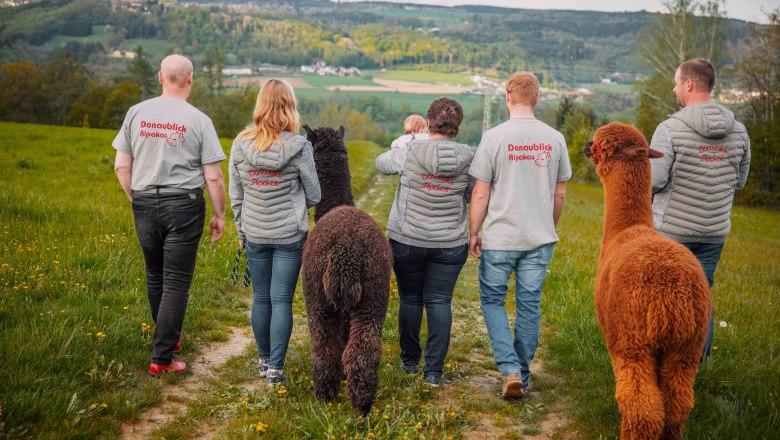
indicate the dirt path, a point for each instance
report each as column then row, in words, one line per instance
column 174, row 396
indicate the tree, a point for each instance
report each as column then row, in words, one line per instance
column 667, row 42
column 758, row 73
column 20, row 92
column 64, row 82
column 141, row 73
column 117, row 102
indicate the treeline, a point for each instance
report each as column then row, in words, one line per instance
column 62, row 91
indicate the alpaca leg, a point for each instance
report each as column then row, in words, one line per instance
column 326, row 341
column 364, row 350
column 639, row 399
column 678, row 373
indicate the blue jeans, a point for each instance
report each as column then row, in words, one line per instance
column 274, row 269
column 426, row 279
column 513, row 354
column 708, row 255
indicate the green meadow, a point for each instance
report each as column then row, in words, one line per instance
column 75, row 330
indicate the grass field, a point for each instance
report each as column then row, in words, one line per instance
column 153, row 47
column 75, row 328
column 98, row 36
column 424, row 76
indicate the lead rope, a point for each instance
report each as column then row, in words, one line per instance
column 234, row 272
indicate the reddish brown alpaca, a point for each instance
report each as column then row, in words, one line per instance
column 652, row 299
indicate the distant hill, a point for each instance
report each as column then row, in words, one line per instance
column 567, row 46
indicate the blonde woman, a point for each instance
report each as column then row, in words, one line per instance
column 272, row 183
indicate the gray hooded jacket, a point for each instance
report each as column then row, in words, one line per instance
column 706, row 159
column 429, row 209
column 270, row 191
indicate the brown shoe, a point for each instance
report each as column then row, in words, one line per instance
column 513, row 386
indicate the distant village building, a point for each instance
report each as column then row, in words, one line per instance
column 16, row 2
column 322, row 69
column 129, row 54
column 236, row 71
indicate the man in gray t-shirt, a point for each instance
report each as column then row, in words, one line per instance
column 521, row 167
column 167, row 151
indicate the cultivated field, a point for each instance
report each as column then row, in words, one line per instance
column 75, row 330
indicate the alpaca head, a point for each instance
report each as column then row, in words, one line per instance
column 326, row 140
column 332, row 163
column 617, row 142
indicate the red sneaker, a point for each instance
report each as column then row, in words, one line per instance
column 175, row 366
column 177, row 350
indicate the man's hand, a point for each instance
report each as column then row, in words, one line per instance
column 216, row 228
column 475, row 245
column 241, row 243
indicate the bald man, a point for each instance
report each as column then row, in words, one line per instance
column 167, row 151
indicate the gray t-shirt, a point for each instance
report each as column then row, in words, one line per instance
column 523, row 160
column 170, row 141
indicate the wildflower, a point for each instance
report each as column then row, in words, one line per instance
column 281, row 391
column 386, row 417
column 723, row 324
column 261, row 427
column 100, row 335
column 125, row 308
column 104, row 405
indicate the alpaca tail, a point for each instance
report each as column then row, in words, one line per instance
column 341, row 283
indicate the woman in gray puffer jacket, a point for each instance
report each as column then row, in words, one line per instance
column 273, row 182
column 428, row 233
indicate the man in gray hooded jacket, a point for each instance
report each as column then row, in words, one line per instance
column 706, row 159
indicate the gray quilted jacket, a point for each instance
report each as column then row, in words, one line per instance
column 429, row 209
column 270, row 191
column 706, row 159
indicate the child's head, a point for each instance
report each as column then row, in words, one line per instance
column 414, row 124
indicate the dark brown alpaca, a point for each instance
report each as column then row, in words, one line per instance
column 652, row 299
column 346, row 278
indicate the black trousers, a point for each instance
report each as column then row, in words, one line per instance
column 169, row 227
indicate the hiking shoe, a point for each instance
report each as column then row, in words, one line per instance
column 433, row 379
column 513, row 386
column 174, row 366
column 262, row 366
column 409, row 368
column 276, row 377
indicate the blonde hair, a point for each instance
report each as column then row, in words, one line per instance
column 414, row 124
column 275, row 112
column 523, row 88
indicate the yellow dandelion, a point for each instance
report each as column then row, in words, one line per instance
column 125, row 308
column 261, row 427
column 104, row 405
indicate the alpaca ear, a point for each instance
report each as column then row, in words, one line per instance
column 310, row 134
column 341, row 131
column 654, row 154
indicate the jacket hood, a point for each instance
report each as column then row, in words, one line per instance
column 441, row 157
column 708, row 119
column 276, row 157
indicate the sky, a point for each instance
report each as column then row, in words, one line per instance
column 748, row 10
